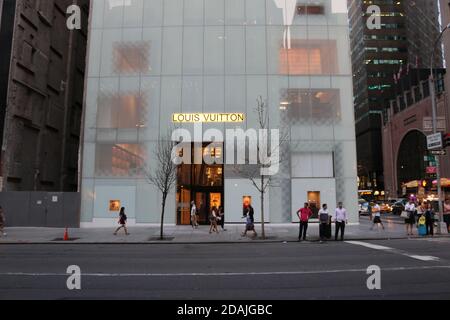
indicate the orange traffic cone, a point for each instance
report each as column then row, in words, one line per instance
column 66, row 235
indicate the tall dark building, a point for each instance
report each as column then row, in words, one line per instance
column 379, row 56
column 42, row 66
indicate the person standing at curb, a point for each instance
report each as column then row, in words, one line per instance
column 447, row 214
column 376, row 216
column 194, row 215
column 341, row 219
column 123, row 222
column 410, row 220
column 324, row 219
column 2, row 223
column 304, row 215
column 429, row 216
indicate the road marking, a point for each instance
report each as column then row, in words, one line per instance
column 383, row 248
column 231, row 274
column 369, row 245
column 423, row 258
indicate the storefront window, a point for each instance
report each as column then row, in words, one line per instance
column 119, row 160
column 131, row 57
column 309, row 57
column 122, row 111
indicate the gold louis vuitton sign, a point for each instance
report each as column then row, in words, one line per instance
column 207, row 117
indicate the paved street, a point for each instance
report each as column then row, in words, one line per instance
column 411, row 269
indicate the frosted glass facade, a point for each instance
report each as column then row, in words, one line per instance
column 149, row 59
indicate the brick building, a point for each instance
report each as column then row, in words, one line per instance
column 42, row 67
column 409, row 121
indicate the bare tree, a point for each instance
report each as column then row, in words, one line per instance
column 259, row 174
column 164, row 174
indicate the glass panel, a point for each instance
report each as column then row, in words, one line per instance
column 119, row 160
column 131, row 57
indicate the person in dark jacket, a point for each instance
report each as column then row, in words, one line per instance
column 429, row 216
column 221, row 218
column 123, row 222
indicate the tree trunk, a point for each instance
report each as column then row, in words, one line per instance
column 161, row 236
column 263, row 229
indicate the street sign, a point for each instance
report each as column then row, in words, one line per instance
column 439, row 152
column 431, row 170
column 434, row 141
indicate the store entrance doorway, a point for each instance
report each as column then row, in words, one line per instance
column 203, row 184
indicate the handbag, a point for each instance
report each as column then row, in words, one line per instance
column 404, row 215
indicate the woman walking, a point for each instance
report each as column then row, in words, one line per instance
column 123, row 222
column 222, row 219
column 249, row 226
column 410, row 220
column 194, row 222
column 213, row 221
column 376, row 216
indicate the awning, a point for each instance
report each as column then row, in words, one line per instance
column 412, row 184
column 445, row 182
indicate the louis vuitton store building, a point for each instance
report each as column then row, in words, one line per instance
column 153, row 60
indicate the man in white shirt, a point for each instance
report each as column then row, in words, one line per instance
column 325, row 226
column 410, row 221
column 341, row 219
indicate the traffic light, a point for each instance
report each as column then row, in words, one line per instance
column 446, row 141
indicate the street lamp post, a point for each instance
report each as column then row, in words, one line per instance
column 435, row 129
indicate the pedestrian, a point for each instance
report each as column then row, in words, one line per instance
column 194, row 221
column 410, row 219
column 213, row 221
column 249, row 226
column 421, row 208
column 340, row 218
column 2, row 223
column 123, row 222
column 447, row 214
column 304, row 214
column 222, row 218
column 324, row 220
column 251, row 213
column 376, row 216
column 429, row 216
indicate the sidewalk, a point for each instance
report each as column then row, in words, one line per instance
column 185, row 234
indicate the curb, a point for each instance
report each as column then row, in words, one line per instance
column 208, row 242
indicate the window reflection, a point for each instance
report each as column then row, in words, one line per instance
column 309, row 57
column 121, row 110
column 318, row 105
column 131, row 57
column 119, row 160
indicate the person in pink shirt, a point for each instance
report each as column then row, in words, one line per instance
column 304, row 215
